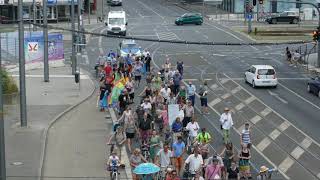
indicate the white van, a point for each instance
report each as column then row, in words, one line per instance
column 261, row 75
column 116, row 23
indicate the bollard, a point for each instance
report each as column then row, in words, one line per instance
column 77, row 77
column 255, row 31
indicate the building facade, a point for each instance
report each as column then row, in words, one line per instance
column 57, row 10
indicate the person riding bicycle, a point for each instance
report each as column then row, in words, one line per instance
column 111, row 54
column 176, row 128
column 113, row 163
column 203, row 136
column 265, row 173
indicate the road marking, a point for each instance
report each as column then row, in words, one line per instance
column 250, row 99
column 100, row 40
column 167, row 36
column 235, row 90
column 263, row 144
column 286, row 164
column 318, row 175
column 214, row 102
column 266, row 111
column 297, row 152
column 224, row 80
column 274, row 134
column 239, row 106
column 223, row 30
column 283, row 126
column 205, row 36
column 214, row 86
column 306, row 142
column 299, row 96
column 150, row 9
column 86, row 58
column 226, row 95
column 221, row 55
column 240, row 128
column 255, row 119
column 254, row 48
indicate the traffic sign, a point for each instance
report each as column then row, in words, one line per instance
column 50, row 2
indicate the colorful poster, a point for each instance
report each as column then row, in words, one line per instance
column 34, row 46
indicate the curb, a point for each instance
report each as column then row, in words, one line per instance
column 44, row 139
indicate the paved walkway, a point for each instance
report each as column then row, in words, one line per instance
column 44, row 102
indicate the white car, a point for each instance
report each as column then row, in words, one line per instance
column 261, row 75
column 116, row 23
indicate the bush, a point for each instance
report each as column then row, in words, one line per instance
column 8, row 84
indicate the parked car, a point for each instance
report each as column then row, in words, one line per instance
column 261, row 75
column 129, row 47
column 314, row 86
column 189, row 18
column 291, row 17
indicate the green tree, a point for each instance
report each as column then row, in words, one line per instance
column 9, row 86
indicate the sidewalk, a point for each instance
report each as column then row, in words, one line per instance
column 45, row 101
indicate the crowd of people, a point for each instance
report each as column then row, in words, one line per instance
column 180, row 148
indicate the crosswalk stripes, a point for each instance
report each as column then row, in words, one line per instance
column 167, row 36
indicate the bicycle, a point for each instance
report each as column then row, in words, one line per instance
column 114, row 171
column 145, row 150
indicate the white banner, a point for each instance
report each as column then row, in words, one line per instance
column 173, row 113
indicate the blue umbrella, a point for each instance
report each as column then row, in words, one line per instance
column 146, row 168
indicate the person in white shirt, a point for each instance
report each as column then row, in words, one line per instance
column 193, row 128
column 181, row 111
column 226, row 124
column 165, row 93
column 195, row 162
column 146, row 105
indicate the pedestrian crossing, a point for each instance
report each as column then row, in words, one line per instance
column 167, row 36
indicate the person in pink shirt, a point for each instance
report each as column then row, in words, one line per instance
column 164, row 116
column 213, row 170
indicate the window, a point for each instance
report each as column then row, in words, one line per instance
column 266, row 72
column 253, row 70
column 116, row 21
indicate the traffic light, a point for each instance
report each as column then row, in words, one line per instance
column 260, row 1
column 254, row 2
column 315, row 35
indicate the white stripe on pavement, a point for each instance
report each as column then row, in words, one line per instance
column 274, row 134
column 225, row 96
column 214, row 86
column 286, row 164
column 284, row 126
column 235, row 90
column 266, row 111
column 214, row 102
column 255, row 119
column 297, row 152
column 224, row 80
column 250, row 99
column 306, row 142
column 263, row 144
column 239, row 106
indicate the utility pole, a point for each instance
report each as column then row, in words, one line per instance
column 89, row 9
column 2, row 141
column 34, row 15
column 22, row 70
column 73, row 55
column 45, row 37
column 79, row 37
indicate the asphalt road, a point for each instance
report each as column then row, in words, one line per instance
column 284, row 120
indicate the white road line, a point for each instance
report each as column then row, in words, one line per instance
column 318, row 175
column 250, row 99
column 205, row 36
column 239, row 106
column 283, row 126
column 299, row 96
column 306, row 142
column 235, row 90
column 266, row 111
column 274, row 134
column 225, row 31
column 224, row 80
column 214, row 102
column 255, row 119
column 221, row 55
column 254, row 48
column 86, row 58
column 100, row 40
column 226, row 95
column 150, row 9
column 264, row 144
column 286, row 164
column 297, row 152
column 214, row 86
